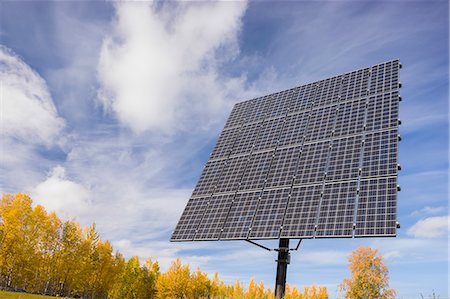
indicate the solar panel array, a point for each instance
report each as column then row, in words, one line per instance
column 318, row 160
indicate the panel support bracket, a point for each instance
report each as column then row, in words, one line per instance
column 259, row 245
column 284, row 259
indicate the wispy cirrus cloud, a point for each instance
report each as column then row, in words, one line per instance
column 427, row 210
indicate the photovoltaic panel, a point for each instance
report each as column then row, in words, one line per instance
column 231, row 175
column 247, row 138
column 225, row 143
column 380, row 154
column 350, row 118
column 337, row 209
column 315, row 161
column 328, row 91
column 377, row 207
column 355, row 84
column 320, row 124
column 238, row 114
column 240, row 217
column 209, row 178
column 190, row 219
column 255, row 173
column 294, row 129
column 283, row 167
column 301, row 212
column 214, row 217
column 344, row 158
column 282, row 102
column 259, row 109
column 304, row 99
column 382, row 111
column 312, row 164
column 269, row 134
column 384, row 77
column 270, row 213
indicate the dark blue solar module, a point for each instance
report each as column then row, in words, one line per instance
column 315, row 161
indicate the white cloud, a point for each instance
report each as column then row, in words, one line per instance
column 432, row 227
column 26, row 106
column 57, row 193
column 159, row 67
column 429, row 210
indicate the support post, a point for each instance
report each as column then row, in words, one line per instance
column 282, row 262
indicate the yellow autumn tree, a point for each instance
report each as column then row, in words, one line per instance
column 219, row 290
column 175, row 282
column 369, row 276
column 237, row 291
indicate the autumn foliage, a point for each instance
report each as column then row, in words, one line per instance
column 370, row 277
column 41, row 254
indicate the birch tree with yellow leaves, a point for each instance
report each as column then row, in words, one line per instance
column 369, row 276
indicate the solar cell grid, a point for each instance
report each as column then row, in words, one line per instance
column 380, row 154
column 190, row 219
column 312, row 164
column 208, row 179
column 344, row 158
column 247, row 138
column 321, row 123
column 294, row 129
column 301, row 212
column 240, row 216
column 231, row 174
column 350, row 118
column 283, row 167
column 225, row 143
column 337, row 209
column 269, row 214
column 256, row 171
column 377, row 207
column 238, row 114
column 282, row 102
column 305, row 98
column 384, row 77
column 382, row 112
column 259, row 110
column 214, row 217
column 269, row 134
column 328, row 91
column 355, row 84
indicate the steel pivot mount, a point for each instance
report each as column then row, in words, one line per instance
column 284, row 258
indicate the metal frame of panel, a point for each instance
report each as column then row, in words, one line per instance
column 315, row 161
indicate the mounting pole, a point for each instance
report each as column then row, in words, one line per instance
column 282, row 262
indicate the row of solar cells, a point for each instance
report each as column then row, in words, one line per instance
column 353, row 85
column 332, row 210
column 332, row 160
column 348, row 118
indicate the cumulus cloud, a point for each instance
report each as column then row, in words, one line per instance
column 60, row 194
column 432, row 227
column 159, row 66
column 27, row 109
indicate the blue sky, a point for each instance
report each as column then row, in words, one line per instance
column 109, row 112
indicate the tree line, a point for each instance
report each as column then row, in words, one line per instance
column 41, row 254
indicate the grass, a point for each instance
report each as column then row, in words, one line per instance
column 16, row 295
